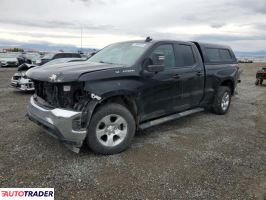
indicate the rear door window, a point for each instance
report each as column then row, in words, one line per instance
column 74, row 55
column 225, row 55
column 67, row 55
column 218, row 55
column 187, row 55
column 59, row 55
column 213, row 54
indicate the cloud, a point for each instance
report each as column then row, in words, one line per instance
column 35, row 23
column 56, row 24
column 258, row 6
column 228, row 38
column 44, row 35
column 217, row 25
column 107, row 21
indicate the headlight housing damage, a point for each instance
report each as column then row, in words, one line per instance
column 62, row 95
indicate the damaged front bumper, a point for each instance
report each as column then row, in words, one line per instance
column 23, row 84
column 60, row 123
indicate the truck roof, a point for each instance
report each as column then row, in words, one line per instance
column 156, row 41
column 210, row 45
column 205, row 49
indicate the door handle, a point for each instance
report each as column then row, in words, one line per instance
column 176, row 76
column 199, row 73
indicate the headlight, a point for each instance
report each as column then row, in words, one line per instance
column 23, row 74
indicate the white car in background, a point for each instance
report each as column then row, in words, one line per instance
column 9, row 59
column 21, row 82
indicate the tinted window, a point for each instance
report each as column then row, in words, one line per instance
column 74, row 55
column 67, row 55
column 59, row 55
column 218, row 55
column 187, row 55
column 167, row 51
column 213, row 54
column 225, row 55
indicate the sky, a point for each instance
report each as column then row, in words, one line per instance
column 238, row 23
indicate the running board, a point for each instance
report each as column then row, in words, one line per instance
column 169, row 118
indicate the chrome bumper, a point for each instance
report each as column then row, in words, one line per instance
column 58, row 123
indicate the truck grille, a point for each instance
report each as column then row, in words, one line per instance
column 54, row 95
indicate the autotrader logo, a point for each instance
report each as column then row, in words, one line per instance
column 27, row 193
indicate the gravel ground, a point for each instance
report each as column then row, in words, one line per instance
column 203, row 156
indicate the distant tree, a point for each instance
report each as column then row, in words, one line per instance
column 14, row 50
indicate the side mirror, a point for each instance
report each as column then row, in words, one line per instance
column 155, row 68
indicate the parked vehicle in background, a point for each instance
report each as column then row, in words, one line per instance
column 31, row 57
column 9, row 59
column 64, row 60
column 51, row 56
column 245, row 60
column 21, row 82
column 260, row 76
column 129, row 86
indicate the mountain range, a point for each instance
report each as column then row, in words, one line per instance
column 42, row 46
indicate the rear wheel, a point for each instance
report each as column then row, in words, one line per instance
column 222, row 100
column 111, row 129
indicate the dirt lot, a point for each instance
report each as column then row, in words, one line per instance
column 203, row 156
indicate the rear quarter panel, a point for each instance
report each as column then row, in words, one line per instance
column 216, row 75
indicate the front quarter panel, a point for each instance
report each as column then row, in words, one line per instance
column 112, row 82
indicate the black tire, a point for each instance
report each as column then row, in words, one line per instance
column 257, row 82
column 261, row 81
column 218, row 100
column 104, row 111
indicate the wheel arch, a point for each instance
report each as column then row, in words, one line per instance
column 124, row 98
column 229, row 83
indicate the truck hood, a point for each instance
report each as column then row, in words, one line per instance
column 67, row 72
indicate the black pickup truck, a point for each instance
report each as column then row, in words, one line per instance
column 130, row 86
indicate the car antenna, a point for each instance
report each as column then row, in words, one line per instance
column 148, row 39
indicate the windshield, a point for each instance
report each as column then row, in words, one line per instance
column 48, row 56
column 120, row 53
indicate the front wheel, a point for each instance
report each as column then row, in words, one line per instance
column 111, row 129
column 222, row 100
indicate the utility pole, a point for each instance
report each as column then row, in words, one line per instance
column 81, row 32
